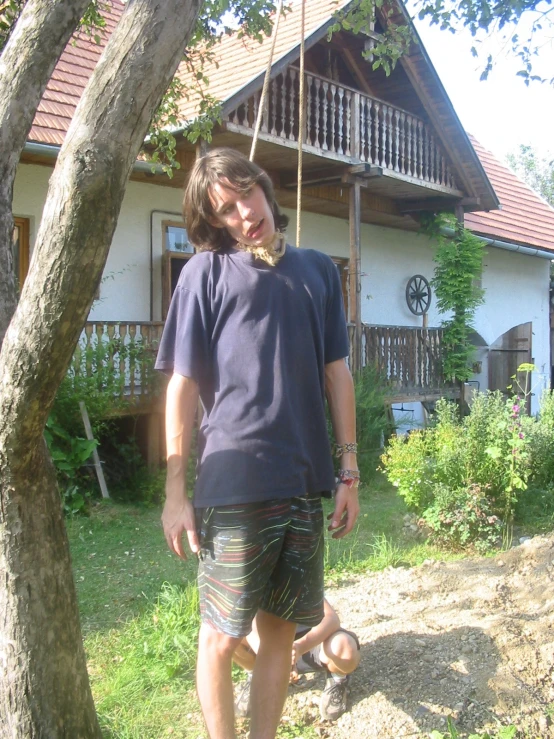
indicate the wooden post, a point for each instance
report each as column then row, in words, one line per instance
column 355, row 128
column 354, row 272
column 95, row 457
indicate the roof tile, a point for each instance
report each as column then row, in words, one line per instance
column 524, row 217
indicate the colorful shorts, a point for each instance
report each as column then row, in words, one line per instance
column 265, row 555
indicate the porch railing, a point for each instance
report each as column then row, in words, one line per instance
column 410, row 358
column 351, row 125
column 121, row 355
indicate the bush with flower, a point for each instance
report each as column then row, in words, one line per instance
column 464, row 475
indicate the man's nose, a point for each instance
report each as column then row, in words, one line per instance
column 245, row 209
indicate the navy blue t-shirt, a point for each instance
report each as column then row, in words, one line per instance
column 256, row 339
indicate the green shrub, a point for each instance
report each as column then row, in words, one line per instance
column 463, row 517
column 464, row 475
column 372, row 425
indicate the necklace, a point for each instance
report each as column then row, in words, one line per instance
column 271, row 253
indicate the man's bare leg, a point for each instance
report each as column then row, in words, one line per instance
column 213, row 681
column 271, row 674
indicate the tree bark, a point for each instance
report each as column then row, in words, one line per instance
column 44, row 688
column 26, row 65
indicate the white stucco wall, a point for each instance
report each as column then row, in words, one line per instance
column 516, row 285
column 125, row 288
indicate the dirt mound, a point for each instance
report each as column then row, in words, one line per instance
column 472, row 639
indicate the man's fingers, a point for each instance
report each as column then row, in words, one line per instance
column 194, row 543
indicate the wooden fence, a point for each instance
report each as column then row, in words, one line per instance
column 410, row 358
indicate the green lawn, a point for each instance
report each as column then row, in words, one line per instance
column 139, row 608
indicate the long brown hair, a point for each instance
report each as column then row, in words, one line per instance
column 222, row 164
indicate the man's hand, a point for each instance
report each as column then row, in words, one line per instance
column 346, row 511
column 178, row 517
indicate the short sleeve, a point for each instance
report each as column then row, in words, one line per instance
column 336, row 333
column 184, row 347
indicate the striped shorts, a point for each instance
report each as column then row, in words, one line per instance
column 266, row 555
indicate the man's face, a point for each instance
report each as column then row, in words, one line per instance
column 246, row 215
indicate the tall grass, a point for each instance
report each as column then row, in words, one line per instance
column 145, row 670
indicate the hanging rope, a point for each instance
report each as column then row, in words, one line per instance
column 301, row 124
column 301, row 107
column 267, row 78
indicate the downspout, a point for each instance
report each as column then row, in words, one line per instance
column 506, row 245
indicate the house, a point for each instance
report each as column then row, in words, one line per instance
column 378, row 152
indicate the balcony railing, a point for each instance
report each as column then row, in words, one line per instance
column 121, row 355
column 350, row 125
column 410, row 358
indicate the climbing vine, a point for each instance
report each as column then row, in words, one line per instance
column 459, row 264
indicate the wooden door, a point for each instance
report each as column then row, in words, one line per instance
column 506, row 354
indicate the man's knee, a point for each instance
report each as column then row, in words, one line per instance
column 216, row 643
column 274, row 631
column 341, row 646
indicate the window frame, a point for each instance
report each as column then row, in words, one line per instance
column 24, row 226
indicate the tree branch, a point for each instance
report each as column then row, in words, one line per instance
column 26, row 65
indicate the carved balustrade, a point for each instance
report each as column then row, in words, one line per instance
column 350, row 125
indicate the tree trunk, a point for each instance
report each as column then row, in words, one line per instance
column 26, row 65
column 43, row 682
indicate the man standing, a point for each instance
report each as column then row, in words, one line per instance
column 257, row 329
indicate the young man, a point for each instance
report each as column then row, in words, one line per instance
column 256, row 328
column 326, row 647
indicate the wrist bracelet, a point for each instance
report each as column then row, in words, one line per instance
column 350, row 478
column 350, row 447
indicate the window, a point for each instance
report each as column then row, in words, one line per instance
column 20, row 250
column 342, row 267
column 177, row 250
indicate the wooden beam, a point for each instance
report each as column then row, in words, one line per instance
column 356, row 71
column 289, row 181
column 431, row 204
column 354, row 274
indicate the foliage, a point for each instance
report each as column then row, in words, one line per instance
column 459, row 263
column 92, row 22
column 462, row 517
column 502, row 732
column 386, row 48
column 69, row 454
column 464, row 475
column 372, row 425
column 96, row 376
column 536, row 170
column 519, row 23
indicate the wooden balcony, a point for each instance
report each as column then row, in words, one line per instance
column 123, row 353
column 409, row 358
column 349, row 126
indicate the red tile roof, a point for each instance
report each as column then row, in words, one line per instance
column 524, row 217
column 69, row 80
column 239, row 61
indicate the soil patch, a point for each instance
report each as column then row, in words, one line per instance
column 472, row 639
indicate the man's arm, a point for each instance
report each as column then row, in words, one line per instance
column 339, row 389
column 178, row 512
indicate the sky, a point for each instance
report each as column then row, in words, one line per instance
column 501, row 112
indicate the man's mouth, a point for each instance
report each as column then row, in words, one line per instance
column 255, row 229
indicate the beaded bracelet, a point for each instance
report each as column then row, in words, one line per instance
column 350, row 478
column 350, row 447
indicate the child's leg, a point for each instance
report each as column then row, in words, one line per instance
column 340, row 653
